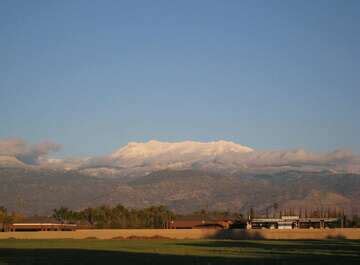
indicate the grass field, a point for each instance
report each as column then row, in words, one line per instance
column 93, row 251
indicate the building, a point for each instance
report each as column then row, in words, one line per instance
column 40, row 227
column 293, row 222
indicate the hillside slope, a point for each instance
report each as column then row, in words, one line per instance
column 34, row 191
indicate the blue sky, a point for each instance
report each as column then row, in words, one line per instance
column 94, row 75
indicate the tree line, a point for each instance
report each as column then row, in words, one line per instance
column 120, row 216
column 116, row 217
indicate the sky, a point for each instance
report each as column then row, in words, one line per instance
column 95, row 75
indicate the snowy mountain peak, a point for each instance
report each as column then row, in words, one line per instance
column 156, row 148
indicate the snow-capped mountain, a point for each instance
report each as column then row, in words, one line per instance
column 156, row 148
column 137, row 157
column 174, row 154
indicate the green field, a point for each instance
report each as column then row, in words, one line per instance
column 93, row 251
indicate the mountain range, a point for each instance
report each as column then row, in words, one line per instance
column 185, row 176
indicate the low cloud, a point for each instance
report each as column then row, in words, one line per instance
column 339, row 160
column 12, row 147
column 27, row 153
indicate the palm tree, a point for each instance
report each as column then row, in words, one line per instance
column 3, row 214
column 62, row 214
